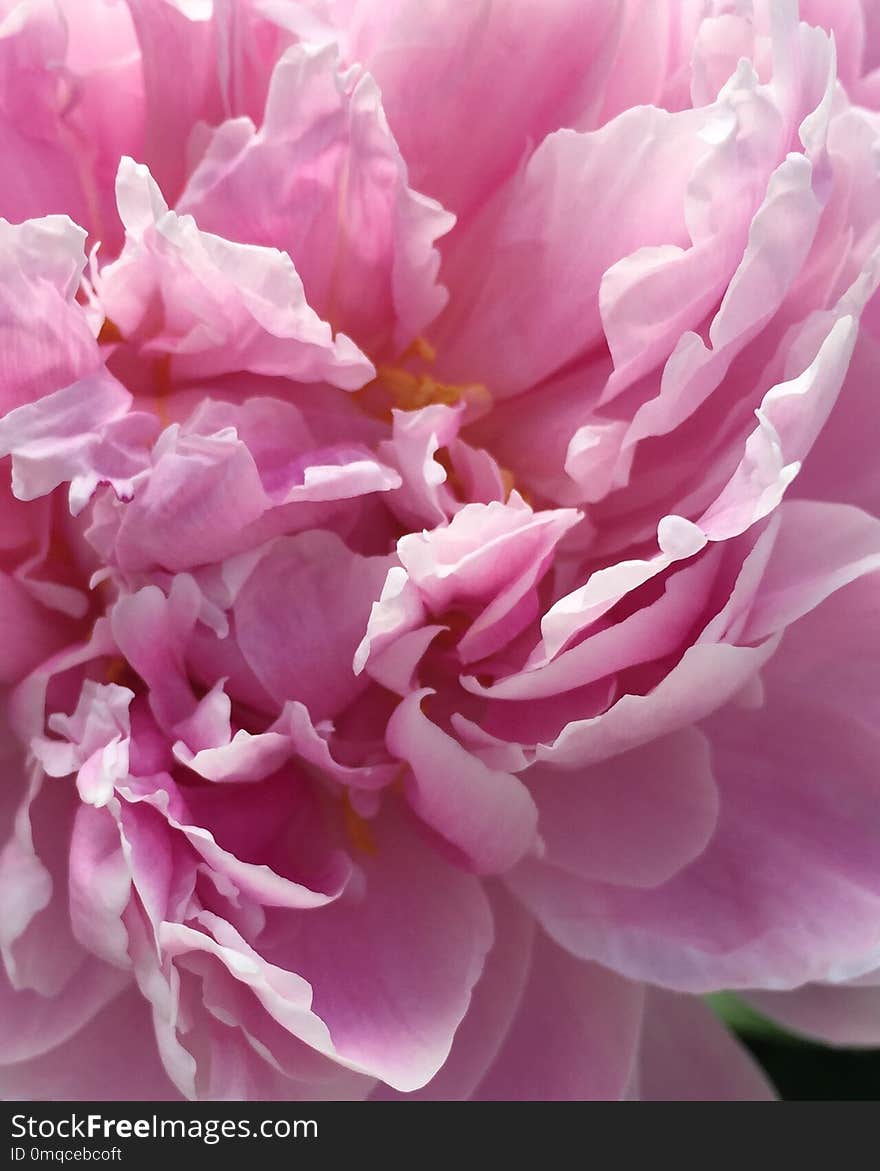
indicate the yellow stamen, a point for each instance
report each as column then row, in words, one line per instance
column 508, row 481
column 453, row 480
column 357, row 828
column 109, row 333
column 420, row 347
column 411, row 390
column 117, row 672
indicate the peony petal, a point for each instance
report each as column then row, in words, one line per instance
column 222, row 307
column 33, row 1025
column 45, row 341
column 634, row 820
column 492, row 1009
column 853, row 429
column 836, row 1014
column 393, row 969
column 29, row 632
column 504, row 328
column 215, row 485
column 574, row 1036
column 486, row 814
column 46, row 177
column 129, row 1072
column 323, row 178
column 786, row 890
column 305, row 652
column 415, row 51
column 83, row 434
column 687, row 1055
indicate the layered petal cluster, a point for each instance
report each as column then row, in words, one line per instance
column 440, row 544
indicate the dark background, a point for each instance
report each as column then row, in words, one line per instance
column 805, row 1072
column 802, row 1070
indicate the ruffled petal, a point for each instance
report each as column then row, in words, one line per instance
column 214, row 306
column 786, row 890
column 323, row 180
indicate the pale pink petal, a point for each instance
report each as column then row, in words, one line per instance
column 34, row 94
column 704, row 679
column 789, row 420
column 180, row 79
column 843, row 544
column 83, row 434
column 503, row 327
column 323, row 180
column 786, row 891
column 416, row 52
column 33, row 1025
column 654, row 631
column 45, row 341
column 151, row 631
column 852, row 429
column 231, row 479
column 574, row 1035
column 488, row 558
column 263, row 1065
column 417, row 436
column 215, row 306
column 100, row 885
column 221, row 56
column 256, row 862
column 29, row 632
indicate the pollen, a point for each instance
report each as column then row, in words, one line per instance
column 413, row 391
column 409, row 386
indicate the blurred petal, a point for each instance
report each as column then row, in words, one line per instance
column 687, row 1055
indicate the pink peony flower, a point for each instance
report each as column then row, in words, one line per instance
column 440, row 547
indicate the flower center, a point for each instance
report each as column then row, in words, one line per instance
column 407, row 386
column 160, row 368
column 357, row 828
